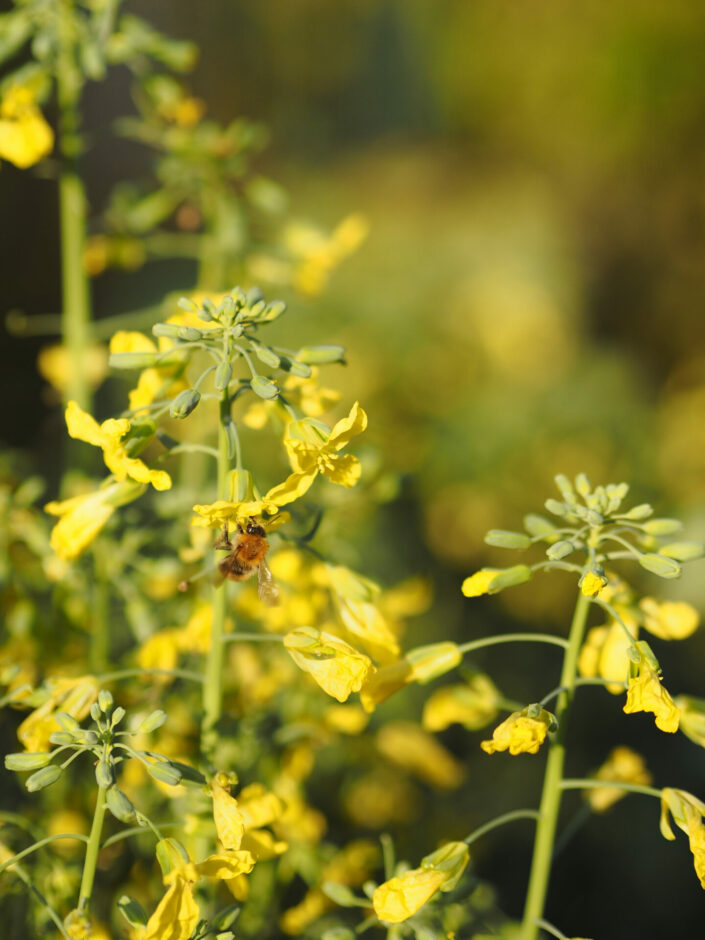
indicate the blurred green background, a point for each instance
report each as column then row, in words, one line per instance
column 529, row 301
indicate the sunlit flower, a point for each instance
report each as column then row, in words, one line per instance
column 313, row 451
column 25, row 136
column 399, row 898
column 646, row 694
column 473, row 705
column 160, row 381
column 82, row 517
column 687, row 812
column 420, row 664
column 108, row 436
column 417, row 751
column 336, row 666
column 367, row 624
column 224, row 511
column 669, row 620
column 592, row 582
column 520, row 733
column 622, row 766
column 229, row 823
column 605, row 652
column 73, row 696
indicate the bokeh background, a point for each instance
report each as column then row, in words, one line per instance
column 529, row 301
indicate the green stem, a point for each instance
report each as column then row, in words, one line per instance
column 500, row 821
column 99, row 635
column 76, row 305
column 252, row 638
column 575, row 784
column 513, row 638
column 551, row 795
column 92, row 850
column 213, row 675
column 23, row 876
column 38, row 845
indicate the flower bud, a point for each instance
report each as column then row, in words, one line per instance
column 119, row 805
column 27, row 760
column 105, row 701
column 67, row 722
column 104, row 773
column 502, row 539
column 132, row 911
column 265, row 355
column 153, row 721
column 165, row 772
column 538, row 525
column 184, row 403
column 189, row 334
column 185, row 303
column 273, row 310
column 429, row 662
column 171, row 854
column 642, row 511
column 61, row 737
column 683, row 551
column 264, row 387
column 321, row 355
column 659, row 565
column 223, row 375
column 170, row 330
column 134, row 360
column 43, row 778
column 662, row 526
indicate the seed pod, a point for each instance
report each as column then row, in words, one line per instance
column 659, row 565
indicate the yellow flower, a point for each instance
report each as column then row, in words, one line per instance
column 646, row 694
column 480, row 582
column 346, row 719
column 520, row 733
column 55, row 363
column 313, row 451
column 399, row 898
column 622, row 766
column 336, row 666
column 669, row 620
column 319, row 255
column 687, row 812
column 73, row 696
column 108, row 436
column 155, row 381
column 215, row 515
column 82, row 517
column 229, row 823
column 605, row 652
column 67, row 820
column 473, row 705
column 692, row 717
column 417, row 751
column 366, row 623
column 592, row 582
column 25, row 137
column 419, row 665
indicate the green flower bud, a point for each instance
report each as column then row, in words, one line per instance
column 429, row 662
column 321, row 355
column 662, row 526
column 566, row 488
column 171, row 854
column 683, row 551
column 153, row 721
column 231, row 435
column 661, row 566
column 227, row 309
column 165, row 773
column 642, row 511
column 223, row 374
column 273, row 310
column 105, row 701
column 170, row 330
column 43, row 778
column 299, row 369
column 264, row 387
column 132, row 911
column 190, row 334
column 510, row 577
column 257, row 309
column 265, row 355
column 30, row 760
column 503, row 539
column 62, row 737
column 253, row 296
column 238, row 296
column 558, row 509
column 184, row 403
column 132, row 360
column 226, row 917
column 87, row 737
column 104, row 773
column 538, row 525
column 591, row 516
column 96, row 713
column 67, row 722
column 560, row 549
column 119, row 805
column 185, row 303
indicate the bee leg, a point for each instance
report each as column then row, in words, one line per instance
column 223, row 541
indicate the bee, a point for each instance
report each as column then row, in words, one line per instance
column 247, row 555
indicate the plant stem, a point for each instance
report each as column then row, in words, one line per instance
column 92, row 850
column 513, row 638
column 213, row 675
column 551, row 795
column 76, row 316
column 500, row 821
column 576, row 784
column 99, row 635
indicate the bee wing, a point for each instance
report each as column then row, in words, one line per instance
column 266, row 587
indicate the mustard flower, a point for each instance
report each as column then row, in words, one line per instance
column 646, row 694
column 520, row 733
column 25, row 136
column 622, row 766
column 605, row 652
column 479, row 583
column 410, row 747
column 687, row 812
column 421, row 664
column 108, row 436
column 592, row 582
column 154, row 380
column 336, row 666
column 399, row 898
column 473, row 705
column 82, row 517
column 692, row 717
column 314, row 450
column 669, row 620
column 318, row 255
column 73, row 696
column 222, row 511
column 55, row 363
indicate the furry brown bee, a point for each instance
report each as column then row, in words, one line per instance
column 247, row 555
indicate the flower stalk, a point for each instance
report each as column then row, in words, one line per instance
column 552, row 789
column 92, row 850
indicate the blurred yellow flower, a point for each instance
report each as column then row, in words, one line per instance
column 669, row 620
column 155, row 381
column 73, row 696
column 420, row 664
column 687, row 812
column 82, row 517
column 313, row 451
column 417, row 751
column 605, row 652
column 381, row 798
column 520, row 734
column 384, row 682
column 692, row 717
column 366, row 623
column 223, row 511
column 336, row 666
column 25, row 136
column 646, row 694
column 623, row 766
column 473, row 705
column 318, row 255
column 399, row 898
column 108, row 436
column 346, row 719
column 480, row 582
column 67, row 821
column 229, row 823
column 55, row 364
column 592, row 583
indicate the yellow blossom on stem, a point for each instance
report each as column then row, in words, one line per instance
column 646, row 694
column 692, row 717
column 154, row 381
column 54, row 364
column 399, row 898
column 479, row 583
column 592, row 582
column 336, row 666
column 687, row 812
column 25, row 136
column 409, row 746
column 73, row 696
column 605, row 652
column 81, row 518
column 108, row 436
column 473, row 705
column 669, row 620
column 521, row 733
column 622, row 766
column 313, row 451
column 229, row 823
